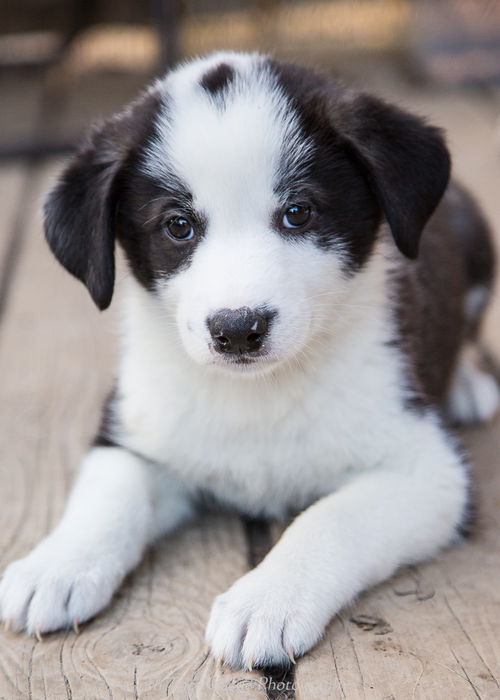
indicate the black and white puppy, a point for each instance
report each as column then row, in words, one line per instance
column 295, row 325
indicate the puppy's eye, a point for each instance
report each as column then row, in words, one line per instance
column 180, row 228
column 296, row 216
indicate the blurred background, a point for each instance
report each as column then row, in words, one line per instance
column 64, row 63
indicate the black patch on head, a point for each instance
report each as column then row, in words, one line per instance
column 80, row 212
column 369, row 159
column 217, row 79
column 146, row 206
column 104, row 196
column 346, row 213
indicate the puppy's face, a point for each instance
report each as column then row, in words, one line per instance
column 247, row 194
column 254, row 221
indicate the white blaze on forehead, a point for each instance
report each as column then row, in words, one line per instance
column 231, row 145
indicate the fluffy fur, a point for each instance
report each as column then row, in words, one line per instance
column 336, row 412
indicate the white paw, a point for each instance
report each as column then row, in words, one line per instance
column 263, row 620
column 474, row 395
column 53, row 588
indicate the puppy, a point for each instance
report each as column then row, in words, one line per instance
column 298, row 326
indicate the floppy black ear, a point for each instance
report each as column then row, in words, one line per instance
column 80, row 211
column 405, row 160
column 79, row 214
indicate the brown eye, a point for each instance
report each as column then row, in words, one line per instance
column 296, row 215
column 180, row 228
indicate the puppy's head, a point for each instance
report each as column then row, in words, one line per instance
column 246, row 194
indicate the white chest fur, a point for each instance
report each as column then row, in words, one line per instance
column 264, row 443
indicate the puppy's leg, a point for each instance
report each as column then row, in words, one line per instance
column 402, row 512
column 119, row 504
column 474, row 395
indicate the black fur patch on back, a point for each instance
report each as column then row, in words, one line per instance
column 217, row 79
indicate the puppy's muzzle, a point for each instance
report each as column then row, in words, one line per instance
column 239, row 331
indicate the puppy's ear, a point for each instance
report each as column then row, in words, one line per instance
column 79, row 215
column 81, row 209
column 405, row 160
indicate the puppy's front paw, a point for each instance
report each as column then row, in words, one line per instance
column 54, row 588
column 265, row 620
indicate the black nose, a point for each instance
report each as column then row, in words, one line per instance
column 240, row 330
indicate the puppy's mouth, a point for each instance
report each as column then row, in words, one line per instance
column 245, row 363
column 243, row 360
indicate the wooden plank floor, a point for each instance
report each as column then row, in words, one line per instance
column 433, row 631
